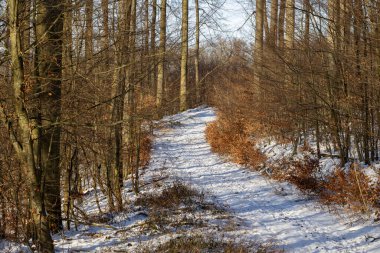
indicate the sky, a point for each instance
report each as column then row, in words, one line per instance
column 238, row 17
column 233, row 19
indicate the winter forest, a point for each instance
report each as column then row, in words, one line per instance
column 189, row 126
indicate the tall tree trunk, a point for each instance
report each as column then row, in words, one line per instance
column 289, row 39
column 109, row 159
column 290, row 24
column 161, row 56
column 89, row 48
column 145, row 60
column 131, row 79
column 105, row 13
column 196, row 60
column 118, row 105
column 153, row 47
column 273, row 23
column 23, row 144
column 49, row 30
column 184, row 55
column 67, row 74
column 307, row 7
column 259, row 40
column 281, row 24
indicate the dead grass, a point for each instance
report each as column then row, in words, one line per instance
column 200, row 243
column 176, row 206
column 171, row 197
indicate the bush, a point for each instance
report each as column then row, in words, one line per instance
column 231, row 137
column 352, row 188
column 301, row 173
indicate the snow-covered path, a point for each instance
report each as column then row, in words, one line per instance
column 268, row 210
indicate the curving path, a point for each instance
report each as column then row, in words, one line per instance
column 268, row 210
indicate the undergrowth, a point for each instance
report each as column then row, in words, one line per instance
column 349, row 187
column 176, row 206
column 301, row 173
column 206, row 243
column 231, row 137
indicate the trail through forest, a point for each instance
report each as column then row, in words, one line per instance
column 268, row 210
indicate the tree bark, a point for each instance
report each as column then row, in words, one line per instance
column 67, row 74
column 290, row 22
column 49, row 30
column 196, row 60
column 259, row 40
column 153, row 46
column 161, row 55
column 89, row 48
column 184, row 55
column 281, row 24
column 273, row 23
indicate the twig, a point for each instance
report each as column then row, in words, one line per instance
column 154, row 181
column 92, row 224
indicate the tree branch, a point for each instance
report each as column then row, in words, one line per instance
column 8, row 124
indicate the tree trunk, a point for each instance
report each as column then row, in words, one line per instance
column 184, row 55
column 145, row 60
column 273, row 23
column 307, row 7
column 89, row 48
column 281, row 24
column 105, row 24
column 290, row 22
column 131, row 101
column 289, row 40
column 259, row 40
column 153, row 47
column 196, row 60
column 49, row 30
column 67, row 74
column 119, row 100
column 23, row 144
column 161, row 56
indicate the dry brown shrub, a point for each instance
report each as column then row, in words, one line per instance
column 352, row 188
column 232, row 137
column 301, row 173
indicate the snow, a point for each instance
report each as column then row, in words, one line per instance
column 6, row 246
column 265, row 210
column 270, row 211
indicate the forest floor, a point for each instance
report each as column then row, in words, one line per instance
column 222, row 200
